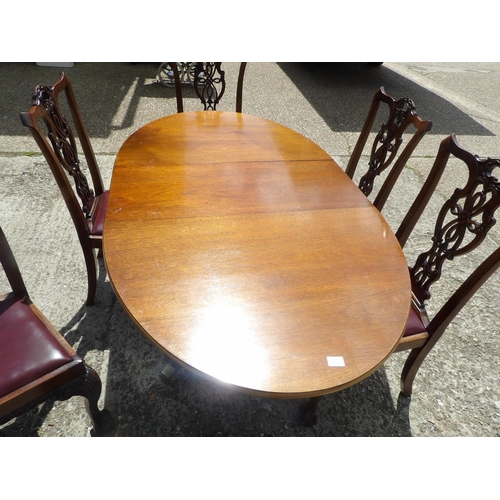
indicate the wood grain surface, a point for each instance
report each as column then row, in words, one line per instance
column 244, row 252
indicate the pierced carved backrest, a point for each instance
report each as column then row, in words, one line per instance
column 384, row 152
column 209, row 83
column 63, row 142
column 463, row 221
column 461, row 226
column 57, row 141
column 387, row 141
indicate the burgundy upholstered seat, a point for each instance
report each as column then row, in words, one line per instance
column 98, row 224
column 414, row 324
column 27, row 349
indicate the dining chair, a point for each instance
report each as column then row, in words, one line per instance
column 36, row 362
column 462, row 224
column 54, row 136
column 209, row 82
column 401, row 115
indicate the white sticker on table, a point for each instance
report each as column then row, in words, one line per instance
column 335, row 360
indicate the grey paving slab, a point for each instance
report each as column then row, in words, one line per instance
column 457, row 391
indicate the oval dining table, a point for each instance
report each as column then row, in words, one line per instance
column 244, row 252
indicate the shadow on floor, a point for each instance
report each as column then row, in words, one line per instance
column 341, row 93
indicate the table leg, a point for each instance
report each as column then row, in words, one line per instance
column 308, row 411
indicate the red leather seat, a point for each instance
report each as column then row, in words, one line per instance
column 414, row 324
column 28, row 351
column 100, row 215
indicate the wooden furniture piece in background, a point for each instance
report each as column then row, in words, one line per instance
column 251, row 257
column 54, row 136
column 209, row 82
column 401, row 115
column 36, row 362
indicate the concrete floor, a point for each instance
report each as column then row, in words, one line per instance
column 457, row 391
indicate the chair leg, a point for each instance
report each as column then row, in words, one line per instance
column 91, row 263
column 89, row 386
column 411, row 367
column 102, row 420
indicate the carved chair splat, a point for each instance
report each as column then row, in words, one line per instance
column 55, row 138
column 210, row 84
column 384, row 151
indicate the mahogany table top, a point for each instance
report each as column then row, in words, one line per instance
column 243, row 251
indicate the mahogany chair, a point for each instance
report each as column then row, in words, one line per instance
column 461, row 226
column 209, row 83
column 36, row 362
column 53, row 134
column 388, row 141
